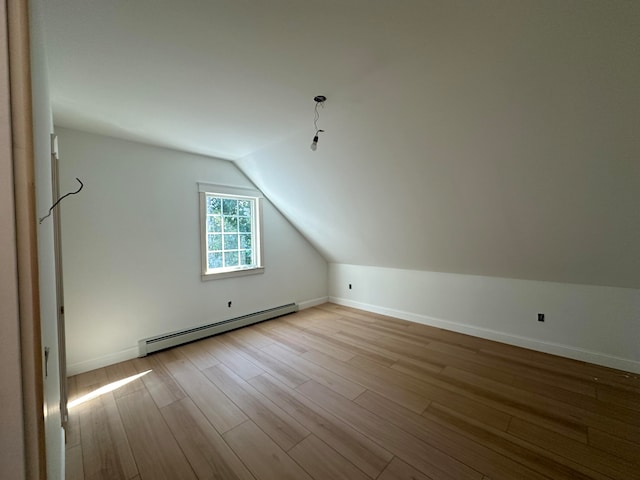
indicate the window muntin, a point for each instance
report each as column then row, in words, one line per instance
column 231, row 243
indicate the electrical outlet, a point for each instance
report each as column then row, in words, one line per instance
column 541, row 317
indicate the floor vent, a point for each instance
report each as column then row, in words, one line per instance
column 153, row 344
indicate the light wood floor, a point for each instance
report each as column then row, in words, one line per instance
column 336, row 393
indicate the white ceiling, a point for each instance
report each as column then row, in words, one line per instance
column 489, row 137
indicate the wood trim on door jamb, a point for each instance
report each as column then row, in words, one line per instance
column 26, row 237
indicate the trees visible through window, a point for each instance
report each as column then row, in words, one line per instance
column 231, row 230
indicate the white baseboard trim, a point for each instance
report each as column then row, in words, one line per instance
column 104, row 361
column 312, row 303
column 533, row 344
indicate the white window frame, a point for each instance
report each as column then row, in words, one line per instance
column 205, row 189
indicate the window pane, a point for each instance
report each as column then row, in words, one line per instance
column 245, row 257
column 214, row 242
column 229, row 206
column 214, row 223
column 245, row 241
column 230, row 224
column 231, row 242
column 213, row 205
column 244, row 224
column 244, row 208
column 229, row 228
column 214, row 260
column 230, row 259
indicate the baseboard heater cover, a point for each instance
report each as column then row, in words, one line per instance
column 161, row 342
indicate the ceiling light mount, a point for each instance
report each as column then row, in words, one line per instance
column 319, row 99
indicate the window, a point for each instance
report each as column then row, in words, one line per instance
column 230, row 231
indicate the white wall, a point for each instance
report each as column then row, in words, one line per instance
column 43, row 126
column 503, row 142
column 590, row 323
column 131, row 251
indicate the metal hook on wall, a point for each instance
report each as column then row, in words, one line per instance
column 60, row 199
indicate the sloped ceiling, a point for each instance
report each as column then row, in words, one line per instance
column 486, row 137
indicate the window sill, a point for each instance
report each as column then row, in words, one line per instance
column 232, row 273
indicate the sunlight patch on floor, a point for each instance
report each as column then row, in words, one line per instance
column 106, row 389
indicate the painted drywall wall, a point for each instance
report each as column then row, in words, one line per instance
column 590, row 323
column 42, row 128
column 502, row 143
column 131, row 249
column 12, row 432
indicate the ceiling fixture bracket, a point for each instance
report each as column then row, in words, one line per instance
column 319, row 99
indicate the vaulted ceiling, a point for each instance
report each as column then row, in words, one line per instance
column 486, row 137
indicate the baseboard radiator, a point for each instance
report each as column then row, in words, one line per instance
column 161, row 342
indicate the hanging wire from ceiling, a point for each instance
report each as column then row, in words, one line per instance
column 319, row 99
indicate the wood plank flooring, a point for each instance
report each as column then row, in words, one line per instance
column 334, row 393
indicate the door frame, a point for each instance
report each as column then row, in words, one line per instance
column 26, row 238
column 57, row 244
